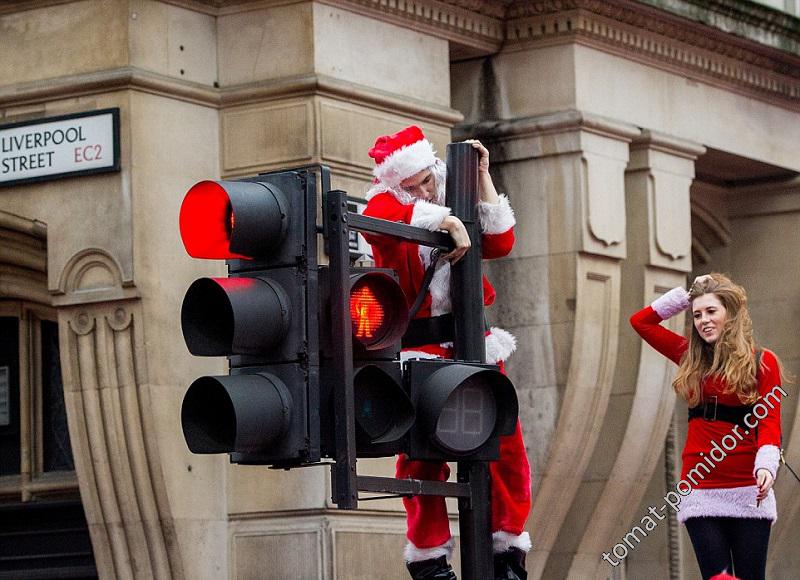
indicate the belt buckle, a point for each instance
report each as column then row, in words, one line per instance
column 707, row 406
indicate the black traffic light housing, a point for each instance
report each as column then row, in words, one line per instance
column 263, row 316
column 462, row 410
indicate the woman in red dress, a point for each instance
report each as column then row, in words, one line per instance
column 732, row 449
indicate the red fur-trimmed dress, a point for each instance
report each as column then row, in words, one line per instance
column 428, row 522
column 728, row 487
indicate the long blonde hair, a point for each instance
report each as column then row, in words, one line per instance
column 731, row 356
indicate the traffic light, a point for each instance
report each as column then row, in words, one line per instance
column 383, row 410
column 263, row 316
column 462, row 409
column 273, row 318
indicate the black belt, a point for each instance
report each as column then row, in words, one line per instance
column 712, row 411
column 434, row 330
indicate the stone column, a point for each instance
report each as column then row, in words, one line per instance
column 560, row 295
column 657, row 183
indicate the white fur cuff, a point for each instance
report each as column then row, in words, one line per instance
column 496, row 218
column 768, row 457
column 414, row 554
column 504, row 541
column 671, row 303
column 428, row 215
column 500, row 344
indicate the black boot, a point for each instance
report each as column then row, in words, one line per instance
column 434, row 569
column 510, row 565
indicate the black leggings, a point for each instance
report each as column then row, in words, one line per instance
column 738, row 545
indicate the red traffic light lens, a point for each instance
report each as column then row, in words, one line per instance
column 233, row 219
column 378, row 310
column 207, row 221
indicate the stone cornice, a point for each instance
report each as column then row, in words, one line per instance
column 730, row 43
column 693, row 31
column 644, row 34
column 132, row 78
column 559, row 122
column 105, row 81
column 747, row 19
column 658, row 141
column 473, row 32
column 473, row 26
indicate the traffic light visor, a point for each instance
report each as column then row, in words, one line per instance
column 233, row 219
column 378, row 310
column 384, row 412
column 238, row 413
column 225, row 316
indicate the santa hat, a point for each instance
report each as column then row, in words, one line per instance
column 399, row 156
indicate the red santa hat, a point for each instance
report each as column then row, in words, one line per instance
column 402, row 155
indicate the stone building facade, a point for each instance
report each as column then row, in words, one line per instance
column 640, row 142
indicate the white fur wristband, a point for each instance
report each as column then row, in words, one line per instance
column 671, row 303
column 428, row 215
column 768, row 457
column 496, row 218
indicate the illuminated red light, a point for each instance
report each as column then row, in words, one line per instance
column 366, row 313
column 206, row 222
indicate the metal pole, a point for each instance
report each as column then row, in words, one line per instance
column 343, row 473
column 466, row 294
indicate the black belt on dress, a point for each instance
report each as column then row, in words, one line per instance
column 712, row 411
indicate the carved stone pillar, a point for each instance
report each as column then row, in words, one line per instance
column 657, row 184
column 560, row 295
column 109, row 412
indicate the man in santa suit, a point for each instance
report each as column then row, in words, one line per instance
column 409, row 187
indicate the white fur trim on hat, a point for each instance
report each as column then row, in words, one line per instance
column 671, row 303
column 768, row 457
column 504, row 541
column 496, row 218
column 500, row 344
column 728, row 502
column 405, row 162
column 428, row 215
column 414, row 554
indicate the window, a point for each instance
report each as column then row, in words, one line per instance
column 35, row 454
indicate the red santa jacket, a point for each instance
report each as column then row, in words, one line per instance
column 410, row 260
column 739, row 464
